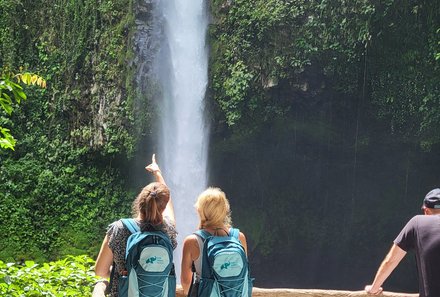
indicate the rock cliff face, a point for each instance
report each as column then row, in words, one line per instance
column 145, row 41
column 98, row 87
column 122, row 83
column 146, row 45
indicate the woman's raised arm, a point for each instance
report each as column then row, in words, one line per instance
column 154, row 168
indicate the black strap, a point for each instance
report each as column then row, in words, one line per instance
column 108, row 289
column 193, row 269
column 217, row 229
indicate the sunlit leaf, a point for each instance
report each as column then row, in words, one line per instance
column 29, row 263
column 7, row 141
column 6, row 106
column 18, row 95
column 5, row 97
column 26, row 77
column 34, row 79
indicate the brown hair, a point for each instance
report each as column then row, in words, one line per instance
column 213, row 209
column 151, row 202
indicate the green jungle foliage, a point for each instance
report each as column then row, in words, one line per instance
column 267, row 55
column 72, row 276
column 260, row 45
column 62, row 185
column 54, row 204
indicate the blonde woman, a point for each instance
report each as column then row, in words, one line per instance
column 215, row 218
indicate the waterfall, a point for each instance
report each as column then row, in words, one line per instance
column 181, row 66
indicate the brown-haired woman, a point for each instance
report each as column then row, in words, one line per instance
column 153, row 211
column 214, row 217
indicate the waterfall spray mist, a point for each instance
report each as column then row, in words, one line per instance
column 182, row 66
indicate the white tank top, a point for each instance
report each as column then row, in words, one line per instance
column 198, row 261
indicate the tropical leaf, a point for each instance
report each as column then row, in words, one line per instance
column 7, row 141
column 6, row 105
column 31, row 79
column 8, row 87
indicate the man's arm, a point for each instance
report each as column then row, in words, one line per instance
column 393, row 258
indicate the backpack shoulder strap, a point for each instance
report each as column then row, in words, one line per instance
column 131, row 225
column 205, row 270
column 234, row 232
column 203, row 234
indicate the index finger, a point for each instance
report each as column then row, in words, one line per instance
column 153, row 158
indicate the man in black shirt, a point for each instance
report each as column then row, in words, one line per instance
column 421, row 235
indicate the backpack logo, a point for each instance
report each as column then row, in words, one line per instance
column 151, row 260
column 154, row 259
column 225, row 265
column 228, row 264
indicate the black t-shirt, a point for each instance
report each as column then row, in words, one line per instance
column 422, row 235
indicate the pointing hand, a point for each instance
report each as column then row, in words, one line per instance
column 153, row 167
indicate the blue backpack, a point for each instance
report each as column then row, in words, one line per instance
column 149, row 264
column 225, row 267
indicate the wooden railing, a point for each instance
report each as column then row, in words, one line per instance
column 259, row 292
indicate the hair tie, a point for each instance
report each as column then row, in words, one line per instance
column 153, row 194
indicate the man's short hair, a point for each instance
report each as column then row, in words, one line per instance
column 432, row 199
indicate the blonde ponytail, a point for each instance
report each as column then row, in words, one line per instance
column 213, row 209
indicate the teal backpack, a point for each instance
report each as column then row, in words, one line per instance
column 149, row 264
column 225, row 268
